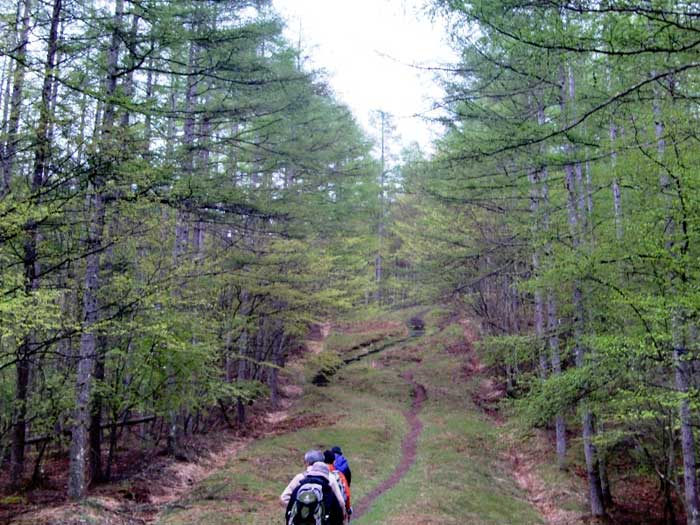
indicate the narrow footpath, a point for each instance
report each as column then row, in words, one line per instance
column 409, row 447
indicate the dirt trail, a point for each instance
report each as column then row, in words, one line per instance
column 409, row 447
column 317, row 337
column 542, row 495
column 524, row 461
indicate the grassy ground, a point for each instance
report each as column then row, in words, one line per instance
column 456, row 479
column 361, row 410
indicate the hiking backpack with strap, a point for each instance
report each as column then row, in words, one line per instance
column 308, row 507
column 336, row 475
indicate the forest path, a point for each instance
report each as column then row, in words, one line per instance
column 409, row 447
column 403, row 410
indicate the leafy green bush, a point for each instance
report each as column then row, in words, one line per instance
column 323, row 366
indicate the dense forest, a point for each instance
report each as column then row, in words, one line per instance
column 562, row 204
column 181, row 197
column 173, row 182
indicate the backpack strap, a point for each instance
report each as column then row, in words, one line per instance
column 314, row 479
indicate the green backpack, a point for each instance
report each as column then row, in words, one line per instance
column 308, row 507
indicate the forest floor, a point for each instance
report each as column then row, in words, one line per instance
column 418, row 418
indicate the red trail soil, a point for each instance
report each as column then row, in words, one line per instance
column 409, row 447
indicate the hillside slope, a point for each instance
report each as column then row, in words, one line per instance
column 451, row 474
column 401, row 407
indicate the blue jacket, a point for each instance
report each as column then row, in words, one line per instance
column 342, row 465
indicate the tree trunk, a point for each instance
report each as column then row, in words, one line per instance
column 95, row 458
column 679, row 327
column 242, row 376
column 7, row 81
column 574, row 209
column 595, row 490
column 560, row 422
column 552, row 318
column 36, row 473
column 128, row 82
column 175, row 427
column 148, row 122
column 19, row 426
column 174, row 442
column 113, row 435
column 616, row 191
column 10, row 148
column 30, row 262
column 592, row 467
column 605, row 486
column 77, row 484
column 95, row 205
column 535, row 198
column 273, row 381
column 617, row 203
column 378, row 262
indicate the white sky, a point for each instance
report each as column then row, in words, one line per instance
column 368, row 47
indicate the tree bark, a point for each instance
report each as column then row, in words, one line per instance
column 535, row 203
column 182, row 234
column 378, row 261
column 574, row 208
column 95, row 458
column 77, row 484
column 95, row 206
column 242, row 375
column 679, row 327
column 19, row 426
column 10, row 148
column 617, row 193
column 30, row 261
column 552, row 318
column 553, row 329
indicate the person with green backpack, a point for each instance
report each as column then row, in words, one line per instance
column 313, row 497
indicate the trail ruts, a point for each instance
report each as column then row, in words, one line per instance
column 409, row 446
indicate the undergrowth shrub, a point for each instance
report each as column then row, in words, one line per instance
column 323, row 366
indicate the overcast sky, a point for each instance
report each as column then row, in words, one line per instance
column 368, row 48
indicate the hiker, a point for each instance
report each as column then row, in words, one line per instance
column 341, row 463
column 313, row 496
column 329, row 459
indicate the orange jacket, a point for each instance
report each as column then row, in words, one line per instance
column 344, row 482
